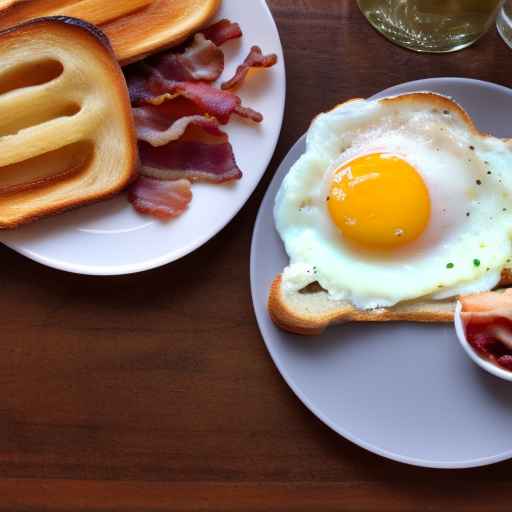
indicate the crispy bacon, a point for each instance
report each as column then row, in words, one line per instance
column 255, row 59
column 223, row 31
column 201, row 60
column 160, row 117
column 177, row 112
column 162, row 199
column 207, row 99
column 487, row 319
column 192, row 146
column 161, row 124
column 154, row 89
column 191, row 159
column 488, row 302
column 170, row 75
column 158, row 132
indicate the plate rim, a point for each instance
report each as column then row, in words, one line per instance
column 418, row 462
column 175, row 255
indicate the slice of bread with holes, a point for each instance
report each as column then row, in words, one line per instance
column 67, row 136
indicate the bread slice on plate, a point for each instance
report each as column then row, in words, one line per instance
column 311, row 311
column 135, row 28
column 67, row 136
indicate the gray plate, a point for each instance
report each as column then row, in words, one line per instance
column 404, row 391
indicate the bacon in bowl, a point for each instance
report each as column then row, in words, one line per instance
column 487, row 320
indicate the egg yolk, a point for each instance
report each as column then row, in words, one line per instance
column 379, row 201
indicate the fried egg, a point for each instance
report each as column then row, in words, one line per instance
column 395, row 200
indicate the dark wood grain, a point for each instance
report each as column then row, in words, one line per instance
column 155, row 391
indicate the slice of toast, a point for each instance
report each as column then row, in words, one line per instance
column 310, row 311
column 136, row 28
column 67, row 136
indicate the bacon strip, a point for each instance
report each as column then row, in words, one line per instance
column 161, row 199
column 194, row 160
column 222, row 31
column 487, row 319
column 177, row 112
column 201, row 60
column 161, row 117
column 161, row 124
column 208, row 99
column 158, row 132
column 255, row 59
column 192, row 146
column 155, row 89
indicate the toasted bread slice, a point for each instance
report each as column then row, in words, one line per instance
column 67, row 136
column 135, row 28
column 310, row 311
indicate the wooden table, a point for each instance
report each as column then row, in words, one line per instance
column 155, row 391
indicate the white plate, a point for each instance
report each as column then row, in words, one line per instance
column 404, row 391
column 110, row 238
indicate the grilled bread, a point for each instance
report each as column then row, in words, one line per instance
column 67, row 136
column 310, row 311
column 135, row 28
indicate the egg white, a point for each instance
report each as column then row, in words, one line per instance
column 469, row 178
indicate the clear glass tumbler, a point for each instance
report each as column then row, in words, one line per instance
column 437, row 26
column 504, row 22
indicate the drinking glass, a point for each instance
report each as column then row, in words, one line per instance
column 437, row 26
column 504, row 22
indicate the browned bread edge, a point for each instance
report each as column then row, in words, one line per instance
column 290, row 318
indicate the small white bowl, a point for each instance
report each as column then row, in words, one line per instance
column 471, row 352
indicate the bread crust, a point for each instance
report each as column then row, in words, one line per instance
column 310, row 314
column 85, row 34
column 287, row 316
